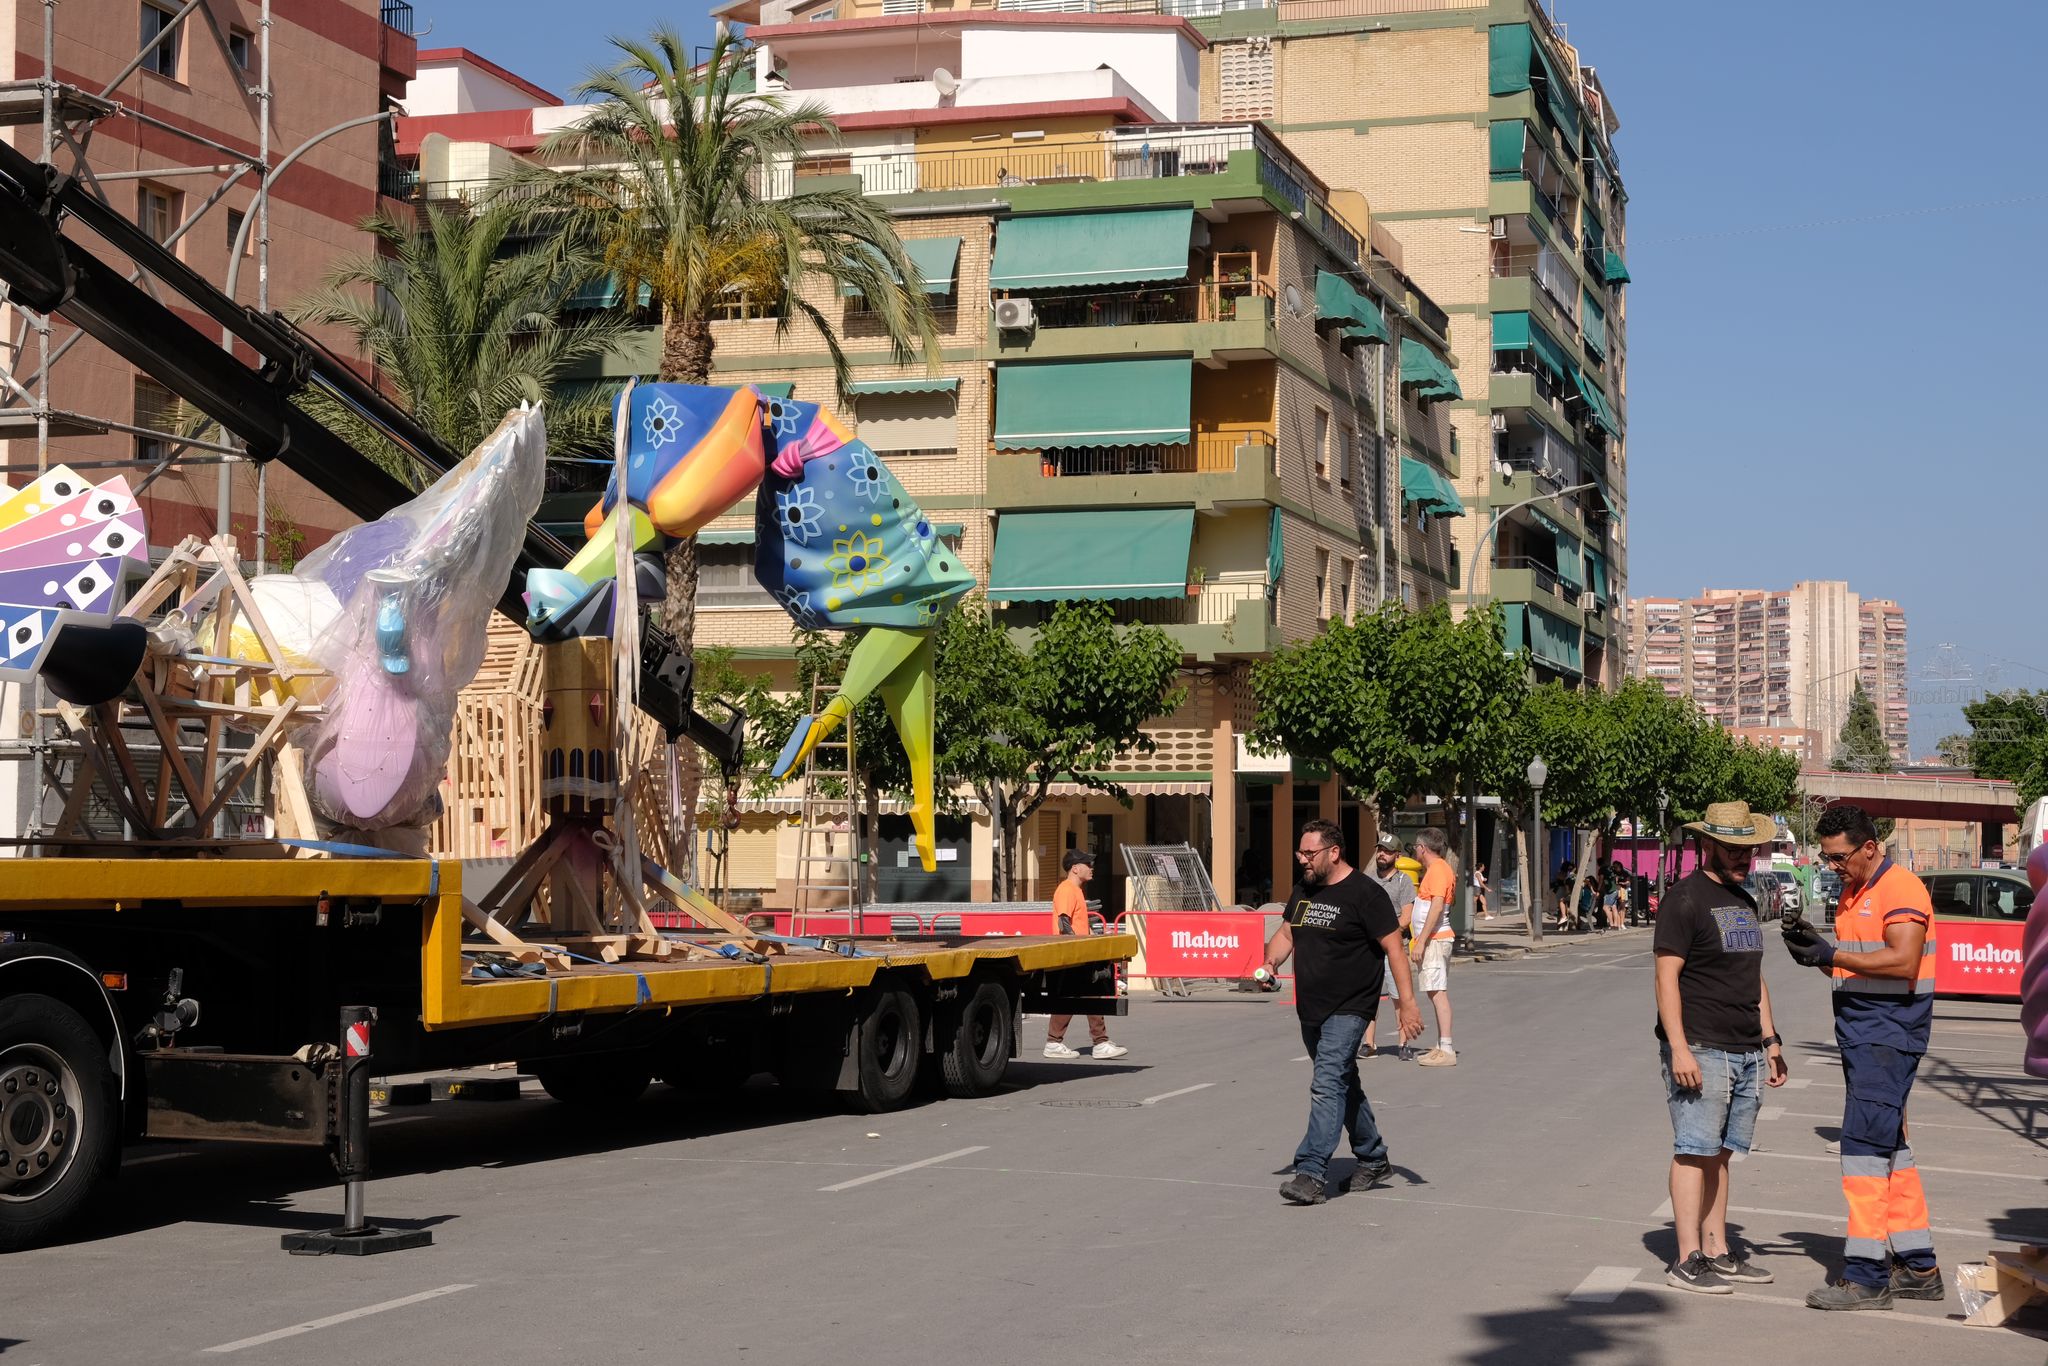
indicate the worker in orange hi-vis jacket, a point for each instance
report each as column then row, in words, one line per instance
column 1882, row 963
column 1070, row 916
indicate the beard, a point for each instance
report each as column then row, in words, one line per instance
column 1312, row 879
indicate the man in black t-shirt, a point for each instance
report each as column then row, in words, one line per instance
column 1341, row 930
column 1718, row 1043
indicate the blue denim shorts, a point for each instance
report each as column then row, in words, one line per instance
column 1722, row 1113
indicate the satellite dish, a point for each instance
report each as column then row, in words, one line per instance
column 947, row 83
column 1292, row 298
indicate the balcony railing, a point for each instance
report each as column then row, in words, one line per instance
column 1210, row 301
column 396, row 14
column 1208, row 453
column 1544, row 571
column 1213, row 603
column 397, row 182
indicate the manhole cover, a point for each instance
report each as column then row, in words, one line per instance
column 1094, row 1104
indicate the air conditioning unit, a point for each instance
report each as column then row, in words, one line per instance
column 1589, row 602
column 1016, row 315
column 1200, row 236
column 1500, row 422
column 1500, row 227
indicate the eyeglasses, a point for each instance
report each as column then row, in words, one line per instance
column 1840, row 860
column 1311, row 853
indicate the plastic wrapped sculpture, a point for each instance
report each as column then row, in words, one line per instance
column 837, row 541
column 2034, row 968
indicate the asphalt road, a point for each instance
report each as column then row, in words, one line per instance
column 1099, row 1212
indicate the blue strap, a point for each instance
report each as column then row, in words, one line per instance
column 369, row 851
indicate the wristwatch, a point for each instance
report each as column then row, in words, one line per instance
column 1773, row 1041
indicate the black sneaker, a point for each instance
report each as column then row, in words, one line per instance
column 1304, row 1190
column 1908, row 1284
column 1739, row 1270
column 1697, row 1274
column 1365, row 1177
column 1850, row 1295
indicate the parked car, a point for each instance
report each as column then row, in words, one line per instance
column 1792, row 903
column 1980, row 916
column 1768, row 894
column 1827, row 889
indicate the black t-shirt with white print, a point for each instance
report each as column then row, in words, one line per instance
column 1338, row 961
column 1714, row 928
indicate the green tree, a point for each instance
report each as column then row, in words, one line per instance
column 467, row 325
column 2009, row 739
column 1954, row 750
column 1861, row 748
column 678, row 172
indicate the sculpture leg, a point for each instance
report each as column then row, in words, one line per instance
column 909, row 694
column 877, row 655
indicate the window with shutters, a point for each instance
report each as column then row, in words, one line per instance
column 157, row 409
column 908, row 424
column 1245, row 80
column 725, row 577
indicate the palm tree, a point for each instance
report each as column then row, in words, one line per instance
column 466, row 323
column 677, row 179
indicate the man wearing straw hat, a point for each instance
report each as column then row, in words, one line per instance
column 1718, row 1043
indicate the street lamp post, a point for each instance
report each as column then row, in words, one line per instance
column 1533, row 875
column 1492, row 527
column 1663, row 801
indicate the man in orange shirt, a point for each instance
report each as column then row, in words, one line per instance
column 1070, row 916
column 1434, row 935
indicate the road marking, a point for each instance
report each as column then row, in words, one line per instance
column 1770, row 1112
column 1988, row 1130
column 1790, row 1303
column 154, row 1157
column 1664, row 1211
column 1604, row 1285
column 1950, row 1171
column 333, row 1319
column 1843, row 1219
column 1184, row 1091
column 1302, row 1058
column 1798, row 1083
column 906, row 1167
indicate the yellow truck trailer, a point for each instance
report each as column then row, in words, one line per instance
column 202, row 998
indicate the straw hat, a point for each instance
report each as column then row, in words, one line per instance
column 1734, row 823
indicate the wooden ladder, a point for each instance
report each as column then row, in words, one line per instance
column 828, row 855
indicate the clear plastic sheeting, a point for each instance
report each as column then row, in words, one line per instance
column 413, row 593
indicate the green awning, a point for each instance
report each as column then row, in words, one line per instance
column 1608, row 499
column 1617, row 272
column 781, row 388
column 1553, row 640
column 1517, row 621
column 1060, row 251
column 1560, row 97
column 1550, row 353
column 937, row 259
column 1591, row 233
column 1594, row 323
column 1541, row 519
column 1506, row 140
column 1596, row 571
column 1596, row 402
column 1358, row 318
column 1274, row 556
column 1429, row 490
column 1093, row 554
column 1571, row 562
column 1510, row 57
column 907, row 385
column 1511, row 331
column 606, row 292
column 1423, row 368
column 1057, row 405
column 727, row 536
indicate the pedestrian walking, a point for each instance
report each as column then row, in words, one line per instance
column 1716, row 1038
column 1882, row 966
column 1400, row 889
column 1070, row 916
column 1479, row 893
column 1431, row 950
column 1340, row 929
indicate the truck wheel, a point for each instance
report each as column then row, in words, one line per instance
column 976, row 1056
column 596, row 1082
column 57, row 1105
column 890, row 1048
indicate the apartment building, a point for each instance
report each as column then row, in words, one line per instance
column 164, row 101
column 1179, row 374
column 1778, row 666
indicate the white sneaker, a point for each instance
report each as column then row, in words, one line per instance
column 1056, row 1049
column 1106, row 1049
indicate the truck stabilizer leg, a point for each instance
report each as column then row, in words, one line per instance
column 357, row 1237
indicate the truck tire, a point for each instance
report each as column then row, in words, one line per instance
column 977, row 1053
column 58, row 1102
column 599, row 1082
column 890, row 1045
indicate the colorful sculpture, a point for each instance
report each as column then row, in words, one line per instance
column 64, row 544
column 837, row 541
column 2034, row 968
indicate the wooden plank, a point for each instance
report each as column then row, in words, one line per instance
column 2013, row 1285
column 239, row 772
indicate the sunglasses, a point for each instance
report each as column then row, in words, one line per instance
column 1840, row 860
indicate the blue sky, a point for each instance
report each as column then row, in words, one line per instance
column 1836, row 231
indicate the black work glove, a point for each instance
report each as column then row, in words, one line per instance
column 1806, row 946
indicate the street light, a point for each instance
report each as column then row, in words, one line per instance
column 1663, row 801
column 1500, row 514
column 1532, row 876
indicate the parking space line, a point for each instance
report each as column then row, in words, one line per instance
column 906, row 1167
column 332, row 1319
column 1788, row 1302
column 1604, row 1285
column 1184, row 1091
column 1987, row 1129
column 1843, row 1219
column 1770, row 1112
column 1949, row 1171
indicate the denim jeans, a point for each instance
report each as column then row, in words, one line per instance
column 1722, row 1113
column 1336, row 1102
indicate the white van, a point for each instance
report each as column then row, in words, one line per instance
column 2033, row 829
